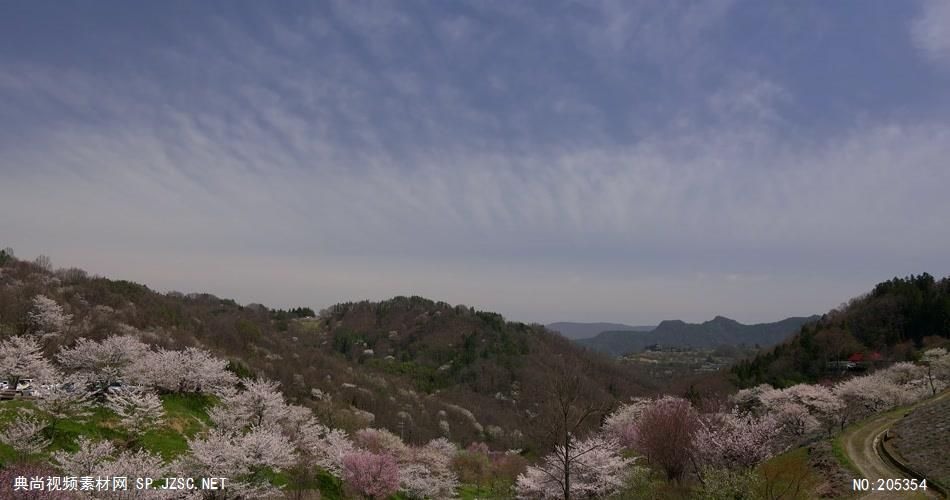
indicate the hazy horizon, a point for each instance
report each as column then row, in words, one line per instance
column 622, row 162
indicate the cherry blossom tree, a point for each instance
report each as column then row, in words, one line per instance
column 381, row 441
column 22, row 357
column 30, row 469
column 47, row 318
column 370, row 474
column 902, row 373
column 135, row 464
column 664, row 434
column 598, row 470
column 261, row 403
column 869, row 394
column 245, row 458
column 622, row 423
column 266, row 446
column 87, row 459
column 326, row 447
column 24, row 435
column 736, row 439
column 426, row 472
column 937, row 364
column 215, row 454
column 138, row 409
column 68, row 399
column 105, row 363
column 820, row 401
column 750, row 400
column 191, row 370
column 791, row 413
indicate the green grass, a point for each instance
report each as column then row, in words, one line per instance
column 790, row 471
column 837, row 448
column 186, row 415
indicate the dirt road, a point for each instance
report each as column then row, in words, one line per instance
column 860, row 444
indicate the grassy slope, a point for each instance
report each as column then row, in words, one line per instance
column 186, row 416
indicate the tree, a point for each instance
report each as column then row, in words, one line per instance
column 664, row 434
column 261, row 403
column 787, row 407
column 326, row 447
column 597, row 470
column 245, row 458
column 568, row 407
column 622, row 423
column 191, row 370
column 47, row 318
column 138, row 409
column 44, row 263
column 425, row 472
column 87, row 459
column 103, row 364
column 472, row 467
column 937, row 363
column 736, row 440
column 370, row 474
column 266, row 446
column 381, row 441
column 30, row 469
column 21, row 357
column 69, row 399
column 136, row 464
column 820, row 401
column 24, row 435
column 869, row 394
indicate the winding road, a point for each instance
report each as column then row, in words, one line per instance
column 860, row 444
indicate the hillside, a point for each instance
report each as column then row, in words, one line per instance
column 715, row 332
column 891, row 323
column 575, row 331
column 407, row 364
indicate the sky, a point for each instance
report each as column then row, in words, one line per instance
column 553, row 161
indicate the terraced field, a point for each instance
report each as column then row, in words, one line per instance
column 923, row 440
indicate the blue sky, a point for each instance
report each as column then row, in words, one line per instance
column 610, row 161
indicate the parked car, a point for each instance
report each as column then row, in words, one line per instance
column 25, row 387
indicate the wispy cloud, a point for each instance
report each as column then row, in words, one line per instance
column 931, row 31
column 348, row 152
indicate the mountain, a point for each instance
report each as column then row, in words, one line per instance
column 576, row 331
column 715, row 332
column 417, row 367
column 894, row 322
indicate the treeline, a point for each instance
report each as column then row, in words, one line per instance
column 894, row 322
column 418, row 367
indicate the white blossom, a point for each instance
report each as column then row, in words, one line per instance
column 24, row 434
column 47, row 318
column 597, row 469
column 21, row 357
column 138, row 409
column 64, row 400
column 87, row 459
column 105, row 363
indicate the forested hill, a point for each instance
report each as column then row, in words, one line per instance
column 715, row 332
column 575, row 331
column 891, row 323
column 417, row 367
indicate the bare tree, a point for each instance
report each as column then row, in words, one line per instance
column 569, row 406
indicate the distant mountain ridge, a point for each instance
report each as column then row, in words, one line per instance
column 575, row 330
column 717, row 331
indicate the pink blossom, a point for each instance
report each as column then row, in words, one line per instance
column 370, row 474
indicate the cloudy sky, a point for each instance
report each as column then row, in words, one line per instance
column 616, row 161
